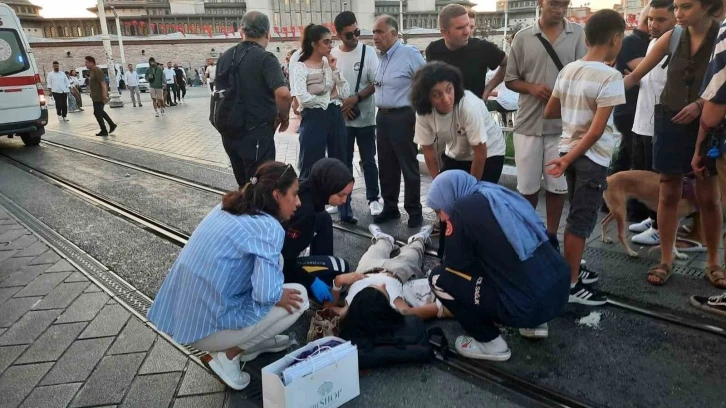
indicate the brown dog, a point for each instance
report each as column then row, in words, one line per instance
column 643, row 186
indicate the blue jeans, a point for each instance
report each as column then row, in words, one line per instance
column 366, row 137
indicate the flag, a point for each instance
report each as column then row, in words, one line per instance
column 277, row 30
column 134, row 23
column 293, row 30
column 284, row 30
column 224, row 31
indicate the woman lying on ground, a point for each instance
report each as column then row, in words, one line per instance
column 225, row 292
column 499, row 266
column 330, row 183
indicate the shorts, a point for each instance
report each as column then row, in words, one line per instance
column 156, row 93
column 673, row 144
column 586, row 181
column 531, row 153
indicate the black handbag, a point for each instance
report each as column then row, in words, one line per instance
column 355, row 111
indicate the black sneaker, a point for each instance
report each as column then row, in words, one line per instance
column 102, row 133
column 415, row 221
column 349, row 220
column 386, row 216
column 587, row 276
column 112, row 128
column 713, row 304
column 585, row 295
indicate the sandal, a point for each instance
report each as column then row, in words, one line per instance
column 660, row 271
column 715, row 274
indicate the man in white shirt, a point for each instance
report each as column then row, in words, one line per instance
column 60, row 87
column 170, row 77
column 359, row 109
column 132, row 84
column 501, row 99
column 210, row 73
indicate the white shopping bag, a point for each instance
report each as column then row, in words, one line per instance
column 328, row 386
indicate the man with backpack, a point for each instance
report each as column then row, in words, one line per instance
column 252, row 99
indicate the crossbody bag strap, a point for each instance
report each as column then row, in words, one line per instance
column 673, row 44
column 551, row 51
column 360, row 68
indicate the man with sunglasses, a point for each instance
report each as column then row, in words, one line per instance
column 359, row 109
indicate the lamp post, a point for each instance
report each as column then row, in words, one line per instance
column 120, row 37
column 400, row 15
column 506, row 24
column 113, row 94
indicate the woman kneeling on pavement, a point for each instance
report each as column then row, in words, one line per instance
column 330, row 183
column 225, row 292
column 499, row 266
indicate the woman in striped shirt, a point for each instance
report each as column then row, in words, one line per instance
column 225, row 292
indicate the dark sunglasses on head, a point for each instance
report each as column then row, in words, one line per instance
column 356, row 33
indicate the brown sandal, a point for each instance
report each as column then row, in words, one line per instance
column 660, row 271
column 715, row 274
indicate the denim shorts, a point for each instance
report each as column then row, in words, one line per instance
column 673, row 144
column 586, row 181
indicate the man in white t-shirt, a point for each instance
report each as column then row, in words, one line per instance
column 360, row 127
column 132, row 84
column 170, row 78
column 661, row 19
column 210, row 73
column 501, row 99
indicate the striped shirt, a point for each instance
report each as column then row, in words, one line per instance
column 714, row 81
column 582, row 87
column 227, row 277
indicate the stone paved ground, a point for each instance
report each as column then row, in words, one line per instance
column 65, row 342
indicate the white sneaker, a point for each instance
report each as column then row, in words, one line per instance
column 60, row 118
column 273, row 345
column 331, row 210
column 66, row 120
column 378, row 233
column 376, row 207
column 229, row 371
column 424, row 234
column 647, row 237
column 641, row 226
column 495, row 350
column 540, row 332
column 156, row 113
column 182, row 101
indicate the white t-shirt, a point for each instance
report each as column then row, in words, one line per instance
column 348, row 64
column 211, row 71
column 393, row 286
column 651, row 86
column 506, row 97
column 469, row 124
column 169, row 75
column 131, row 78
column 582, row 87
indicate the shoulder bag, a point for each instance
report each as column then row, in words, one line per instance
column 316, row 82
column 355, row 111
column 550, row 51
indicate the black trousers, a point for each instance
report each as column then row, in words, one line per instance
column 397, row 156
column 61, row 103
column 180, row 91
column 101, row 115
column 643, row 160
column 170, row 89
column 247, row 152
column 624, row 159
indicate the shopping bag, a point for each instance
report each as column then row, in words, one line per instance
column 326, row 379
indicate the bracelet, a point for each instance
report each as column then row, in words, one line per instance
column 336, row 288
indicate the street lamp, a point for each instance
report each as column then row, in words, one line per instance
column 113, row 94
column 120, row 37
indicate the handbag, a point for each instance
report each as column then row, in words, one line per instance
column 355, row 111
column 316, row 82
column 324, row 323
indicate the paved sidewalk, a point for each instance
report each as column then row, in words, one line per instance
column 65, row 342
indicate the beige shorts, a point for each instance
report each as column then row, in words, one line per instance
column 156, row 93
column 531, row 153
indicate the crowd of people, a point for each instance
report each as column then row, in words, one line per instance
column 253, row 265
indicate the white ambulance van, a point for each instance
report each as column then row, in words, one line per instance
column 23, row 111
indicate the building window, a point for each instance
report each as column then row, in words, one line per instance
column 79, row 31
column 46, row 32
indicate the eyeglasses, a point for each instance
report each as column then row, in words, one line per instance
column 329, row 42
column 288, row 167
column 350, row 35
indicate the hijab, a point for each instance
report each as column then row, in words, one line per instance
column 523, row 228
column 327, row 177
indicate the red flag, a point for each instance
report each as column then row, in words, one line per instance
column 284, row 30
column 224, row 31
column 293, row 30
column 180, row 28
column 142, row 24
column 302, row 29
column 162, row 28
column 277, row 30
column 134, row 23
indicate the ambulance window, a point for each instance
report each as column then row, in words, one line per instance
column 12, row 55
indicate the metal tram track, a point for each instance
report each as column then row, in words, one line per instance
column 652, row 311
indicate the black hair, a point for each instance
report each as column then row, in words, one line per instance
column 55, row 62
column 344, row 19
column 90, row 59
column 256, row 197
column 370, row 317
column 602, row 26
column 312, row 34
column 429, row 76
column 151, row 60
column 658, row 4
column 327, row 177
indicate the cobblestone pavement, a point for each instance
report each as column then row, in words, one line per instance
column 65, row 342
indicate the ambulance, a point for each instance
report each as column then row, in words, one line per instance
column 23, row 111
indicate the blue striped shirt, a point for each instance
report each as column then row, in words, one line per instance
column 227, row 277
column 394, row 76
column 714, row 82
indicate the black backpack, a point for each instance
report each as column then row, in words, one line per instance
column 409, row 343
column 227, row 104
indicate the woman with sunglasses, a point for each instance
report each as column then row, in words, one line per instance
column 320, row 89
column 225, row 292
column 676, row 130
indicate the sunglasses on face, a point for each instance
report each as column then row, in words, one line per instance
column 350, row 35
column 328, row 42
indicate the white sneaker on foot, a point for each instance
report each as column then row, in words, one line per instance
column 60, row 118
column 376, row 207
column 331, row 210
column 647, row 237
column 273, row 345
column 540, row 332
column 229, row 371
column 378, row 233
column 424, row 234
column 641, row 226
column 156, row 113
column 66, row 120
column 495, row 350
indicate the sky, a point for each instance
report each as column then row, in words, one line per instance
column 77, row 8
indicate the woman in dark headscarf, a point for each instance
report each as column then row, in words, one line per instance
column 330, row 183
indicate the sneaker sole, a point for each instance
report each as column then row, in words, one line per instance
column 705, row 307
column 587, row 302
column 535, row 335
column 216, row 370
column 650, row 243
column 249, row 357
column 637, row 230
column 490, row 357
